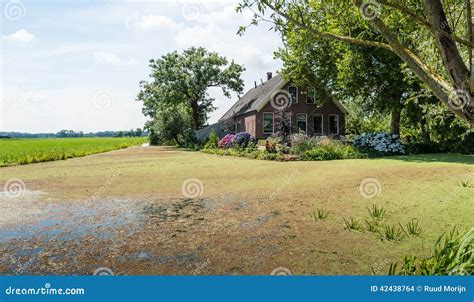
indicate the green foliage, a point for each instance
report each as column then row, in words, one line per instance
column 452, row 254
column 319, row 214
column 413, row 228
column 392, row 233
column 376, row 212
column 352, row 224
column 372, row 226
column 360, row 120
column 183, row 80
column 211, row 141
column 27, row 151
column 331, row 150
column 172, row 126
column 439, row 130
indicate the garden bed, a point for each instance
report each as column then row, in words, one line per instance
column 300, row 147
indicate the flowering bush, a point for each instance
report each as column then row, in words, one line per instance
column 380, row 142
column 301, row 143
column 227, row 141
column 243, row 139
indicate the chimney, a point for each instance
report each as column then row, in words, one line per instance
column 255, row 83
column 269, row 76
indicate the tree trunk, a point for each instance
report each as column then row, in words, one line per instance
column 449, row 52
column 395, row 123
column 195, row 114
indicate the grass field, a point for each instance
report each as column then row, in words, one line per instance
column 27, row 151
column 244, row 216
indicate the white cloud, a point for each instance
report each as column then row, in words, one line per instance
column 111, row 58
column 154, row 22
column 21, row 36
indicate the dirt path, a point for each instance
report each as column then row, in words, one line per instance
column 130, row 211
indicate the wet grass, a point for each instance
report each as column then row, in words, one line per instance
column 418, row 201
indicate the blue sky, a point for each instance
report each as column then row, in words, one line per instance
column 77, row 64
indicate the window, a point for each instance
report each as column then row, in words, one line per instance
column 311, row 96
column 238, row 126
column 301, row 119
column 268, row 123
column 293, row 91
column 333, row 124
column 318, row 124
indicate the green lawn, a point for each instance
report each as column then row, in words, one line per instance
column 252, row 216
column 26, row 151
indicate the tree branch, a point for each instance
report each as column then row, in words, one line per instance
column 326, row 34
column 422, row 21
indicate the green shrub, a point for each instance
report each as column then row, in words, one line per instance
column 271, row 156
column 331, row 150
column 452, row 254
column 211, row 141
column 300, row 143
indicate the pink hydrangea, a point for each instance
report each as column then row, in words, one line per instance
column 227, row 141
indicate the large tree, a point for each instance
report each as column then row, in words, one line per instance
column 373, row 77
column 183, row 80
column 432, row 37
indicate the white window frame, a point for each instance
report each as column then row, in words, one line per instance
column 297, row 94
column 322, row 123
column 314, row 95
column 263, row 123
column 329, row 124
column 298, row 121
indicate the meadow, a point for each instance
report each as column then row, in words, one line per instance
column 152, row 210
column 27, row 151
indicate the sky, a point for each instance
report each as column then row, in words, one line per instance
column 77, row 65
